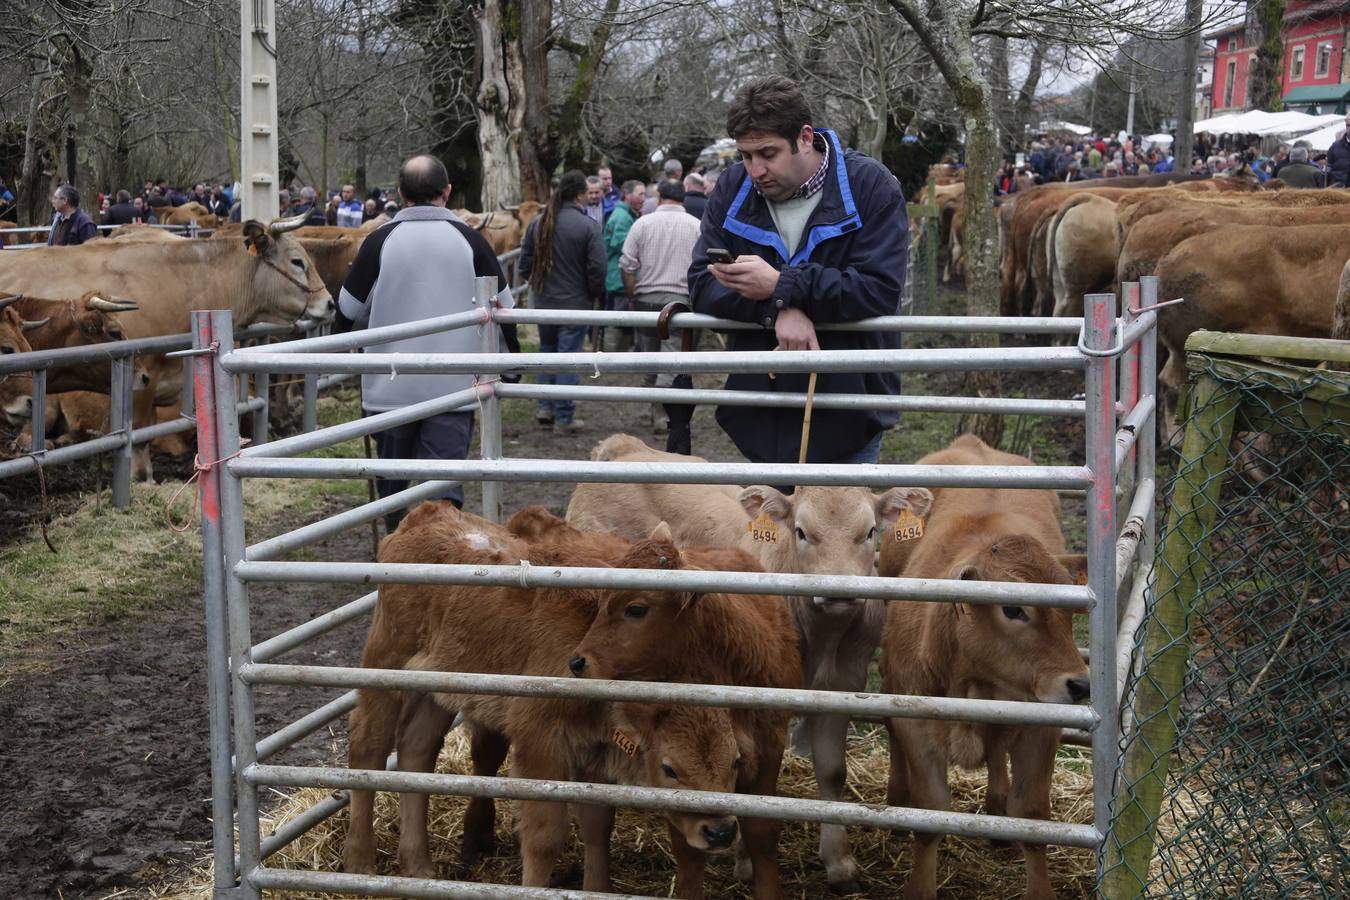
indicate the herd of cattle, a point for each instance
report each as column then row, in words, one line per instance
column 144, row 281
column 1247, row 257
column 937, row 649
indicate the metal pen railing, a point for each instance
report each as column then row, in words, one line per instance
column 1120, row 420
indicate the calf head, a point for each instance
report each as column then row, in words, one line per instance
column 636, row 634
column 691, row 748
column 828, row 530
column 16, row 389
column 1023, row 652
column 542, row 528
column 286, row 286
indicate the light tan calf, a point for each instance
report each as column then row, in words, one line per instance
column 980, row 651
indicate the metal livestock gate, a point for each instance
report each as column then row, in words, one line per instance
column 1117, row 358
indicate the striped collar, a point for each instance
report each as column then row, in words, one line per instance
column 816, row 181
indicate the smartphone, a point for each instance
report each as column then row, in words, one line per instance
column 719, row 255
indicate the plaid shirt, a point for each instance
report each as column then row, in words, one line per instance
column 816, row 181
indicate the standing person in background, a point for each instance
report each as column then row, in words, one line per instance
column 1338, row 159
column 695, row 195
column 595, row 207
column 610, row 196
column 655, row 269
column 621, row 219
column 563, row 257
column 348, row 211
column 123, row 212
column 817, row 234
column 309, row 207
column 1299, row 173
column 70, row 224
column 419, row 266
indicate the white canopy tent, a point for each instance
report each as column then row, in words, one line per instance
column 1260, row 122
column 1323, row 138
column 1070, row 127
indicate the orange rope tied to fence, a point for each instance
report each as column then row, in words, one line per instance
column 198, row 468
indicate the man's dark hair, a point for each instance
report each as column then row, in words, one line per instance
column 72, row 196
column 422, row 179
column 629, row 186
column 671, row 190
column 123, row 196
column 773, row 104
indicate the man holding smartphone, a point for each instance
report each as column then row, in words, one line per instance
column 810, row 233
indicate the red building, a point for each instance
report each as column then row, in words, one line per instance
column 1315, row 69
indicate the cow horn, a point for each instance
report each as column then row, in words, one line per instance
column 281, row 226
column 10, row 301
column 29, row 326
column 116, row 304
column 509, row 208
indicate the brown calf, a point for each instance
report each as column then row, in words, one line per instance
column 977, row 650
column 818, row 531
column 513, row 631
column 16, row 388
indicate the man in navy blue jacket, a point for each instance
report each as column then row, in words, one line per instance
column 819, row 235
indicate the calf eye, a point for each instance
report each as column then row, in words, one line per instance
column 635, row 611
column 114, row 334
column 7, row 349
column 801, row 536
column 872, row 534
column 669, row 772
column 298, row 263
column 1016, row 613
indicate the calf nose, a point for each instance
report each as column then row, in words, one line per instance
column 1080, row 689
column 719, row 837
column 577, row 664
column 331, row 305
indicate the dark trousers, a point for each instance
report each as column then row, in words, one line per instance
column 444, row 436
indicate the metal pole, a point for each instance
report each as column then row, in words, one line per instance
column 310, row 417
column 1099, row 331
column 262, row 389
column 119, row 412
column 1128, row 391
column 258, row 168
column 39, row 421
column 236, row 592
column 187, row 405
column 217, row 629
column 490, row 435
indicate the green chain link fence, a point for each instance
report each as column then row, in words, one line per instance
column 1233, row 779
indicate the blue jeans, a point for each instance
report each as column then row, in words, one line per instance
column 443, row 436
column 560, row 339
column 867, row 453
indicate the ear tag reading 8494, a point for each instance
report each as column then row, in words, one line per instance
column 624, row 742
column 762, row 529
column 908, row 526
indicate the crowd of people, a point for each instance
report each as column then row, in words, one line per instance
column 1047, row 159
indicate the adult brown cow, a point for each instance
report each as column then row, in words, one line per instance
column 264, row 276
column 816, row 531
column 1264, row 280
column 503, row 228
column 980, row 651
column 16, row 388
column 186, row 214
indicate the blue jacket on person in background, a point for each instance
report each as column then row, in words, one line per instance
column 80, row 229
column 850, row 265
column 1338, row 162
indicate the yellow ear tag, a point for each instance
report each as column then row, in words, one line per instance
column 908, row 526
column 252, row 249
column 624, row 742
column 762, row 529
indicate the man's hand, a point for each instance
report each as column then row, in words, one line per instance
column 750, row 276
column 795, row 331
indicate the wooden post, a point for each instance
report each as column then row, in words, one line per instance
column 1143, row 781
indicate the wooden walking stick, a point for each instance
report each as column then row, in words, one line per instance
column 806, row 417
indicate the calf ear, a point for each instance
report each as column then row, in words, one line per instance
column 661, row 533
column 889, row 504
column 1076, row 565
column 966, row 572
column 760, row 498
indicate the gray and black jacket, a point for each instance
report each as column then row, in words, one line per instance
column 577, row 279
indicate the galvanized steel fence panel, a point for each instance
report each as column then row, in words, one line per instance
column 1119, row 387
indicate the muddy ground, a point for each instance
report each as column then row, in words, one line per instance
column 103, row 746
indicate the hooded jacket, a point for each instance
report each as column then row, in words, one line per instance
column 850, row 265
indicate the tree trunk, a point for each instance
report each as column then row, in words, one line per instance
column 1265, row 36
column 1027, row 93
column 496, row 110
column 571, row 129
column 537, row 154
column 28, row 178
column 1185, row 144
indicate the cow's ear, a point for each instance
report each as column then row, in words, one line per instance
column 661, row 533
column 889, row 504
column 760, row 498
column 966, row 572
column 689, row 599
column 256, row 237
column 1076, row 565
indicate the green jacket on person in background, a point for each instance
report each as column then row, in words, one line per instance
column 616, row 229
